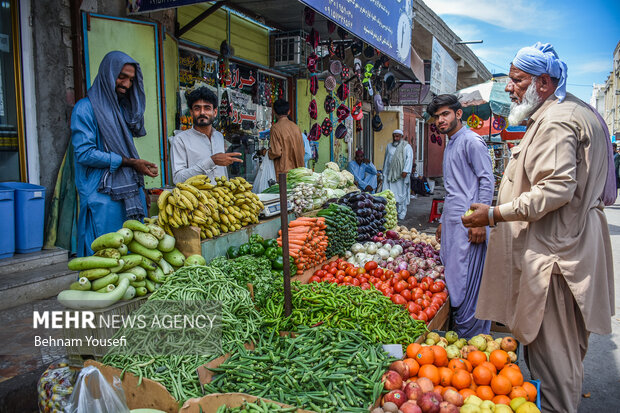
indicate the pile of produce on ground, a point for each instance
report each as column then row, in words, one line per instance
column 307, row 242
column 240, row 323
column 319, row 369
column 224, row 207
column 128, row 263
column 421, row 299
column 461, row 347
column 259, row 406
column 426, row 377
column 391, row 216
column 370, row 211
column 415, row 236
column 341, row 229
column 344, row 307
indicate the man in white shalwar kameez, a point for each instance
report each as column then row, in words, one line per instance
column 397, row 170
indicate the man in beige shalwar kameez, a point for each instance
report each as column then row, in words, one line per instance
column 548, row 273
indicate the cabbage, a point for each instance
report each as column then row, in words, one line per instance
column 347, row 179
column 333, row 166
column 331, row 178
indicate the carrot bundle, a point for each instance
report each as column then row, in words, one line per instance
column 307, row 242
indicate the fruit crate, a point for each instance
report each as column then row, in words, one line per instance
column 537, row 384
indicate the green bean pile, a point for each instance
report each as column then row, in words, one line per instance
column 320, row 369
column 260, row 406
column 240, row 322
column 347, row 308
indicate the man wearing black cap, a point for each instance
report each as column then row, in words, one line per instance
column 364, row 172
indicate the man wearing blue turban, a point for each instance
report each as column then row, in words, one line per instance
column 548, row 272
column 109, row 174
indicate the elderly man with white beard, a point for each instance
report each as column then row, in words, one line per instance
column 548, row 271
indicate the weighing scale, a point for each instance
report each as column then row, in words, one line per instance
column 272, row 204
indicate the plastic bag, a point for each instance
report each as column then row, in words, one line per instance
column 93, row 394
column 266, row 172
column 56, row 386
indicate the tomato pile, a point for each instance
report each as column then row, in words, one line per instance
column 422, row 299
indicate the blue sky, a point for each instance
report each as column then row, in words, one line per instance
column 584, row 33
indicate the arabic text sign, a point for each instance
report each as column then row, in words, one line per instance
column 410, row 94
column 142, row 6
column 385, row 24
column 444, row 70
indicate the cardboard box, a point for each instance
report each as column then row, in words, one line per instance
column 210, row 403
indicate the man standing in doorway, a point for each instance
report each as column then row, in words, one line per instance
column 396, row 170
column 468, row 179
column 109, row 174
column 200, row 150
column 286, row 146
column 549, row 273
column 364, row 172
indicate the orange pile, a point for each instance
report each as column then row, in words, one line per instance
column 495, row 379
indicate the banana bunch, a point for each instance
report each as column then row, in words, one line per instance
column 225, row 206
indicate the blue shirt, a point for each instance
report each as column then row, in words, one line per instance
column 365, row 174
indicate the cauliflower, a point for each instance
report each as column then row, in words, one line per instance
column 332, row 166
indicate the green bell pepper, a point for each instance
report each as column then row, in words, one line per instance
column 257, row 250
column 270, row 243
column 232, row 252
column 256, row 239
column 271, row 253
column 244, row 249
column 278, row 263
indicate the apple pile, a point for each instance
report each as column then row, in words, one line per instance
column 460, row 347
column 474, row 404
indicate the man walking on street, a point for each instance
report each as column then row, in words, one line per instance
column 109, row 174
column 468, row 179
column 286, row 146
column 396, row 170
column 548, row 273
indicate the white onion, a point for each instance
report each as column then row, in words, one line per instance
column 394, row 252
column 383, row 253
column 371, row 248
column 357, row 247
column 348, row 254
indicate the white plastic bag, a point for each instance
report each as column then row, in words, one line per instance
column 266, row 172
column 93, row 394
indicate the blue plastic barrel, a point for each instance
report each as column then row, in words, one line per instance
column 29, row 216
column 7, row 222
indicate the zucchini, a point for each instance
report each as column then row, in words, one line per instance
column 139, row 272
column 146, row 240
column 151, row 254
column 90, row 300
column 111, row 278
column 83, row 284
column 148, row 264
column 150, row 285
column 141, row 291
column 137, row 284
column 131, row 261
column 127, row 235
column 95, row 273
column 119, row 267
column 107, row 289
column 130, row 276
column 165, row 267
column 110, row 240
column 129, row 293
column 166, row 244
column 157, row 276
column 123, row 250
column 175, row 258
column 135, row 225
column 87, row 263
column 157, row 231
column 109, row 253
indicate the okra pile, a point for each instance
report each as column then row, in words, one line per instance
column 341, row 229
column 320, row 369
column 260, row 406
column 345, row 308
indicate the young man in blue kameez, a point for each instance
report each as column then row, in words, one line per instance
column 109, row 174
column 364, row 172
column 468, row 176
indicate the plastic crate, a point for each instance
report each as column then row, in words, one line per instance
column 7, row 223
column 537, row 384
column 29, row 215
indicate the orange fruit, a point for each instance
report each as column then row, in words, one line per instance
column 531, row 391
column 490, row 366
column 501, row 385
column 513, row 366
column 425, row 355
column 448, row 388
column 412, row 349
column 482, row 375
column 467, row 392
column 473, row 384
column 461, row 379
column 517, row 391
column 514, row 375
column 441, row 356
column 445, row 376
column 485, row 392
column 413, row 366
column 499, row 358
column 469, row 366
column 430, row 371
column 438, row 389
column 457, row 364
column 476, row 358
column 501, row 399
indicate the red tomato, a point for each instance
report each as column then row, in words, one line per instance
column 414, row 316
column 422, row 316
column 428, row 294
column 430, row 313
column 411, row 307
column 356, row 282
column 389, row 273
column 361, row 271
column 436, row 287
column 400, row 286
column 435, row 307
column 370, row 265
column 413, row 283
column 390, row 290
column 398, row 299
column 437, row 301
column 424, row 285
column 416, row 308
column 339, row 278
column 404, row 274
column 417, row 293
column 406, row 293
column 351, row 271
column 365, row 286
column 428, row 280
column 340, row 272
column 331, row 280
column 378, row 272
column 314, row 278
column 420, row 302
column 342, row 265
column 347, row 279
column 333, row 270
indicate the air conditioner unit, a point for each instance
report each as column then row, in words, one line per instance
column 290, row 50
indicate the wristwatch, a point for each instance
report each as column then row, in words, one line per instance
column 491, row 218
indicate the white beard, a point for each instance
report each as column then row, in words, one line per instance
column 529, row 103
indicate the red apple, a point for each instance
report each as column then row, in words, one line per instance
column 413, row 390
column 410, row 407
column 397, row 397
column 392, row 380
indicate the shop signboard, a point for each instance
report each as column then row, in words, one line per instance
column 142, row 6
column 410, row 94
column 444, row 70
column 386, row 24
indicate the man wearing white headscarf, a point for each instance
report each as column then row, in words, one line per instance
column 396, row 170
column 548, row 273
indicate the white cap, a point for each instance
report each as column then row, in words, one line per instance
column 400, row 132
